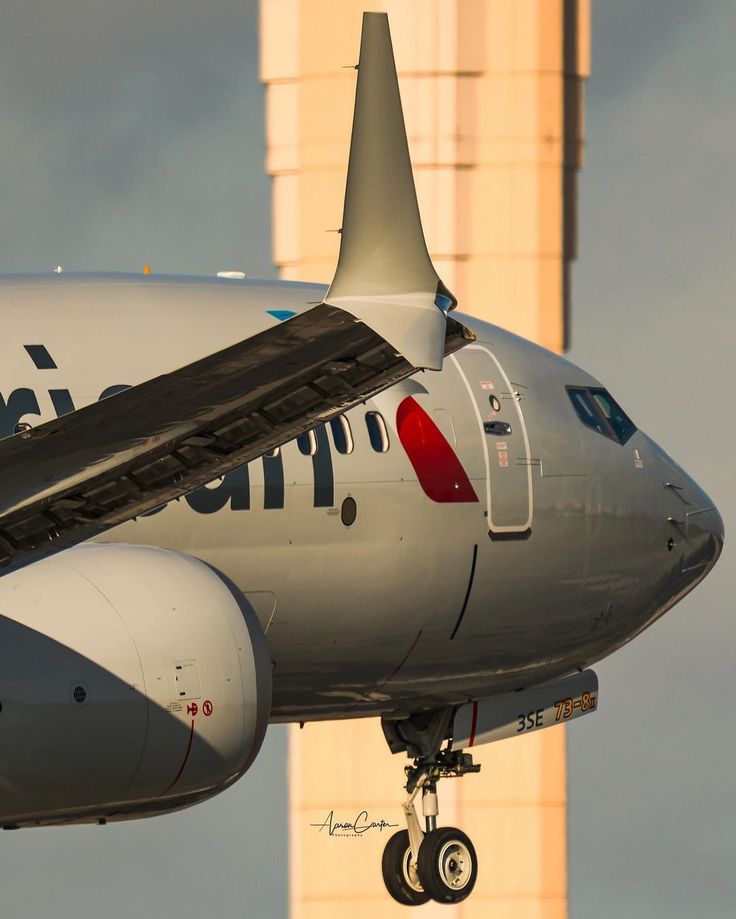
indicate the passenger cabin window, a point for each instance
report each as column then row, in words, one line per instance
column 307, row 443
column 341, row 434
column 597, row 409
column 377, row 431
column 272, row 454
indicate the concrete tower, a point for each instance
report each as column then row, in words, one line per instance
column 492, row 96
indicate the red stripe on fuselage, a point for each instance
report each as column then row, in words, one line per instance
column 474, row 725
column 438, row 469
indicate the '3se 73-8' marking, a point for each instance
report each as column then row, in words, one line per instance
column 532, row 709
column 564, row 710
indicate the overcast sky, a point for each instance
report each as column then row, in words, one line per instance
column 653, row 798
column 132, row 131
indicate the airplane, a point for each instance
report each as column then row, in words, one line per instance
column 227, row 503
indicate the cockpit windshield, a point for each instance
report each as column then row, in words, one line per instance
column 597, row 409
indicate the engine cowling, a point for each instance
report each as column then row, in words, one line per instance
column 133, row 681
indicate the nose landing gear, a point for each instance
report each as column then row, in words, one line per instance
column 434, row 863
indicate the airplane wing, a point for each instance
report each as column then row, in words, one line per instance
column 383, row 318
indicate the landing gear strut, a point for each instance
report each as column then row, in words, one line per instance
column 430, row 863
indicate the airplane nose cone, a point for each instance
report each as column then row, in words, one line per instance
column 704, row 534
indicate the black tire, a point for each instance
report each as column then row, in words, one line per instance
column 447, row 865
column 397, row 875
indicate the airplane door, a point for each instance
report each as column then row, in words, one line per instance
column 501, row 427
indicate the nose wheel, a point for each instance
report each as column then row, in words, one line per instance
column 447, row 865
column 435, row 863
column 400, row 873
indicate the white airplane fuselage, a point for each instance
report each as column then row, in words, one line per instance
column 497, row 540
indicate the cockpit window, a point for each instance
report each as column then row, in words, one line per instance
column 585, row 407
column 597, row 409
column 622, row 425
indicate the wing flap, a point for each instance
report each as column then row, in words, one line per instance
column 73, row 478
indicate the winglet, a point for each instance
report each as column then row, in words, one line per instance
column 384, row 274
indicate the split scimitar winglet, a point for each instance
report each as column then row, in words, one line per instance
column 384, row 274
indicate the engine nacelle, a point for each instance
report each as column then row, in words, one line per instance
column 133, row 681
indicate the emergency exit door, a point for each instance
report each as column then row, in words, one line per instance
column 505, row 444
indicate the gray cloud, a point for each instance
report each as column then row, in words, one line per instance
column 651, row 800
column 132, row 132
column 631, row 37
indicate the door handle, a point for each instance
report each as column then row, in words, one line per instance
column 499, row 428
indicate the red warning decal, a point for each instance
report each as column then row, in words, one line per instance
column 207, row 708
column 438, row 469
column 192, row 708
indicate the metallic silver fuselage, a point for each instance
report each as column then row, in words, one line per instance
column 416, row 605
